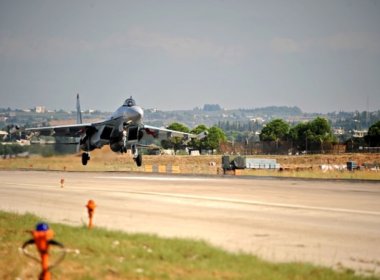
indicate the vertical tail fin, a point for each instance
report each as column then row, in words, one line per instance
column 79, row 113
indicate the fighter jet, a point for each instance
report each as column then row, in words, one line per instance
column 123, row 130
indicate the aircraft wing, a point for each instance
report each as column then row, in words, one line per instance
column 73, row 130
column 164, row 133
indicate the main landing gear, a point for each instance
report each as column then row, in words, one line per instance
column 138, row 160
column 85, row 158
column 137, row 157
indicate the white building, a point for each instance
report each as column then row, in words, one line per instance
column 359, row 133
column 339, row 131
column 40, row 109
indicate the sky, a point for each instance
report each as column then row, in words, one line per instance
column 321, row 56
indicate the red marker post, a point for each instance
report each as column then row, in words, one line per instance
column 43, row 238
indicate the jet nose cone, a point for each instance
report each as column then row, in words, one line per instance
column 136, row 113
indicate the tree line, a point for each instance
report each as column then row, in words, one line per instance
column 303, row 136
column 312, row 136
column 307, row 136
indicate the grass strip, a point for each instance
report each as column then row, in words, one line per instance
column 104, row 254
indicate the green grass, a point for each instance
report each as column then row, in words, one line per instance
column 115, row 255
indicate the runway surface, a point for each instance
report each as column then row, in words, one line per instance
column 335, row 224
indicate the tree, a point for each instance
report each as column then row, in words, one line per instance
column 13, row 149
column 175, row 142
column 178, row 126
column 214, row 138
column 196, row 143
column 275, row 130
column 373, row 136
column 318, row 131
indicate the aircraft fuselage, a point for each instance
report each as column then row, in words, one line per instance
column 124, row 122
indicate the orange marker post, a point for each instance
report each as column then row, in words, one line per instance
column 91, row 209
column 43, row 238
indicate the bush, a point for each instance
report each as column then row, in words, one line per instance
column 12, row 149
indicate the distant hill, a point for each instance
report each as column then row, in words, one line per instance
column 275, row 110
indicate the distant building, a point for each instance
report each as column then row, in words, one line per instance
column 3, row 133
column 211, row 107
column 257, row 120
column 359, row 133
column 40, row 109
column 339, row 131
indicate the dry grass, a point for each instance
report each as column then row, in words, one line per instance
column 316, row 174
column 304, row 166
column 105, row 160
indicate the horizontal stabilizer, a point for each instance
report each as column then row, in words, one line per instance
column 202, row 135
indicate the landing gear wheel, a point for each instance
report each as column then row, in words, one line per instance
column 138, row 160
column 85, row 158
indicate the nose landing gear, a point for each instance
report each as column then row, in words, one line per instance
column 85, row 158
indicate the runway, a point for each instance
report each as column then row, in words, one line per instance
column 335, row 224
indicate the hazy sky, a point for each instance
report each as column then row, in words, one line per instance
column 319, row 55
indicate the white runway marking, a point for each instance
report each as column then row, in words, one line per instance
column 219, row 199
column 260, row 203
column 154, row 178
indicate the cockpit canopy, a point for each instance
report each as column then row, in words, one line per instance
column 129, row 102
